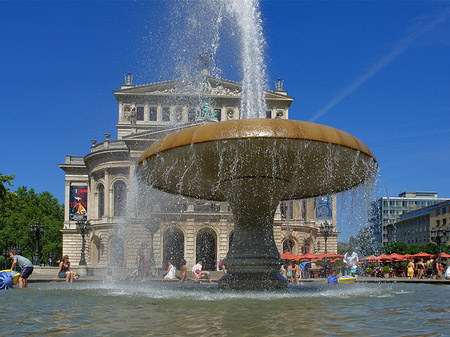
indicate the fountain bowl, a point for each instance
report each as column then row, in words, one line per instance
column 253, row 164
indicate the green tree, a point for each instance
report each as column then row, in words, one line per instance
column 24, row 207
column 3, row 189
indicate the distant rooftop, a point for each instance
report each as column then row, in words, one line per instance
column 418, row 194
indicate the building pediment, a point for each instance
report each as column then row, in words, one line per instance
column 204, row 85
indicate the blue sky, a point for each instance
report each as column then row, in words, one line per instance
column 379, row 70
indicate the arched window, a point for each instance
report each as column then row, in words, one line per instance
column 120, row 198
column 288, row 245
column 101, row 200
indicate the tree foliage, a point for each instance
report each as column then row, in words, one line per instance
column 3, row 189
column 402, row 248
column 20, row 209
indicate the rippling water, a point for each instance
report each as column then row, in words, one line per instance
column 119, row 309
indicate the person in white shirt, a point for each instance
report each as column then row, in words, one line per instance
column 351, row 261
column 447, row 273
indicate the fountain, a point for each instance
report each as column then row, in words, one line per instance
column 253, row 164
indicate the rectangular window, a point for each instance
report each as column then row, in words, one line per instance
column 153, row 115
column 438, row 211
column 191, row 115
column 140, row 113
column 438, row 222
column 166, row 114
column 218, row 114
column 268, row 114
column 444, row 222
column 283, row 209
column 444, row 210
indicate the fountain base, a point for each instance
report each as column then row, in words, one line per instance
column 253, row 281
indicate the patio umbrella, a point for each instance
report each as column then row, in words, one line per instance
column 336, row 256
column 371, row 259
column 397, row 257
column 384, row 257
column 287, row 256
column 309, row 256
column 321, row 256
column 422, row 255
column 445, row 255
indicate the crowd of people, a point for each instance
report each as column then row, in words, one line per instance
column 293, row 271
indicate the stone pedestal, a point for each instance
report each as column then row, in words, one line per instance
column 253, row 261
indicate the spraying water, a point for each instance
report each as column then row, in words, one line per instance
column 248, row 19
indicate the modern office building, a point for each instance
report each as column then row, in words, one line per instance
column 415, row 227
column 101, row 186
column 387, row 211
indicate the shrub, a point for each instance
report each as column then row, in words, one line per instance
column 369, row 271
column 386, row 269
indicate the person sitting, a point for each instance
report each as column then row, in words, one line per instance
column 64, row 269
column 332, row 278
column 184, row 277
column 198, row 273
column 171, row 270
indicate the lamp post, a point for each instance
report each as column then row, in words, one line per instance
column 326, row 229
column 83, row 227
column 440, row 236
column 6, row 255
column 37, row 230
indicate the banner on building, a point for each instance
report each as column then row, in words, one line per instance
column 324, row 208
column 78, row 203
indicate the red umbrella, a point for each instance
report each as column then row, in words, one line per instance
column 422, row 255
column 321, row 256
column 288, row 256
column 384, row 257
column 445, row 255
column 309, row 256
column 371, row 259
column 336, row 256
column 398, row 257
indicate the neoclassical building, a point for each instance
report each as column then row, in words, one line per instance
column 125, row 216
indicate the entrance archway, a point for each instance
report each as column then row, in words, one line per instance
column 95, row 250
column 206, row 248
column 173, row 247
column 116, row 253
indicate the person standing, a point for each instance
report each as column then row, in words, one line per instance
column 420, row 269
column 24, row 263
column 411, row 268
column 447, row 273
column 351, row 261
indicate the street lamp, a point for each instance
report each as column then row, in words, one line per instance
column 6, row 255
column 326, row 229
column 37, row 230
column 440, row 236
column 83, row 227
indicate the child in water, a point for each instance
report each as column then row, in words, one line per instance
column 24, row 263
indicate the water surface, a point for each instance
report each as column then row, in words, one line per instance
column 124, row 309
